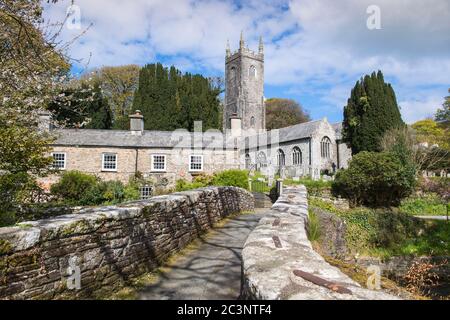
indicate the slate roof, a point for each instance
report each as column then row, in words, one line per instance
column 149, row 139
column 299, row 131
column 338, row 129
column 169, row 139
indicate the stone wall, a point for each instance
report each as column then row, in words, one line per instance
column 279, row 246
column 110, row 245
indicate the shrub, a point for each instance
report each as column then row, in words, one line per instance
column 183, row 185
column 232, row 178
column 438, row 185
column 104, row 192
column 375, row 179
column 229, row 178
column 73, row 186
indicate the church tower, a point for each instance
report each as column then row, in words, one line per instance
column 244, row 95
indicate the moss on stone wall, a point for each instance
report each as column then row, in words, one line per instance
column 5, row 247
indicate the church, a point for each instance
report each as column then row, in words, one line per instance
column 308, row 149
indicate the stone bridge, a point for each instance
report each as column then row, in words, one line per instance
column 110, row 246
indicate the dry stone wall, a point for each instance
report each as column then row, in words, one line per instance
column 278, row 250
column 108, row 246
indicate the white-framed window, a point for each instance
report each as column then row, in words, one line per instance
column 146, row 192
column 159, row 163
column 59, row 160
column 195, row 163
column 109, row 162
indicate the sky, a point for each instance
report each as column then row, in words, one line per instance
column 315, row 50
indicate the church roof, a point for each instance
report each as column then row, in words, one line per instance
column 338, row 129
column 148, row 139
column 299, row 131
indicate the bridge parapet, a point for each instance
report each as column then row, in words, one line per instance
column 279, row 262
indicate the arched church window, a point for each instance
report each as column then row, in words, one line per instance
column 297, row 156
column 261, row 160
column 252, row 122
column 281, row 159
column 248, row 161
column 253, row 72
column 325, row 148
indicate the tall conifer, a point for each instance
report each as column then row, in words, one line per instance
column 371, row 111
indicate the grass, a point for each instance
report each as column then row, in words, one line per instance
column 313, row 227
column 314, row 187
column 427, row 205
column 384, row 234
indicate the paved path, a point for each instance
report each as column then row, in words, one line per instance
column 213, row 272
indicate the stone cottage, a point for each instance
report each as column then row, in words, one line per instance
column 307, row 149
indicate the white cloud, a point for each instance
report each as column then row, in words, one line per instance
column 317, row 47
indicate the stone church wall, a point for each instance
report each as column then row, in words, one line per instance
column 109, row 245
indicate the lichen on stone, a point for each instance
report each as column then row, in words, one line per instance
column 5, row 247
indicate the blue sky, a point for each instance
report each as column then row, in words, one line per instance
column 315, row 49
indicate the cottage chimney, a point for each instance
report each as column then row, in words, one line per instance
column 236, row 126
column 45, row 121
column 137, row 123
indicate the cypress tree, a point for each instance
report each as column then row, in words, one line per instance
column 371, row 111
column 170, row 100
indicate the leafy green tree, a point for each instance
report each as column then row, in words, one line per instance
column 379, row 179
column 282, row 113
column 118, row 86
column 430, row 132
column 82, row 107
column 443, row 115
column 371, row 111
column 171, row 100
column 32, row 69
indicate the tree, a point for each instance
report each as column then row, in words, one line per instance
column 170, row 100
column 371, row 111
column 282, row 113
column 443, row 115
column 82, row 105
column 32, row 68
column 434, row 151
column 430, row 132
column 379, row 179
column 118, row 85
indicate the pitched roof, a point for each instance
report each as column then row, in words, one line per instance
column 299, row 131
column 338, row 129
column 148, row 139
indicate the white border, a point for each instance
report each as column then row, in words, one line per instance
column 152, row 158
column 65, row 161
column 103, row 162
column 190, row 161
